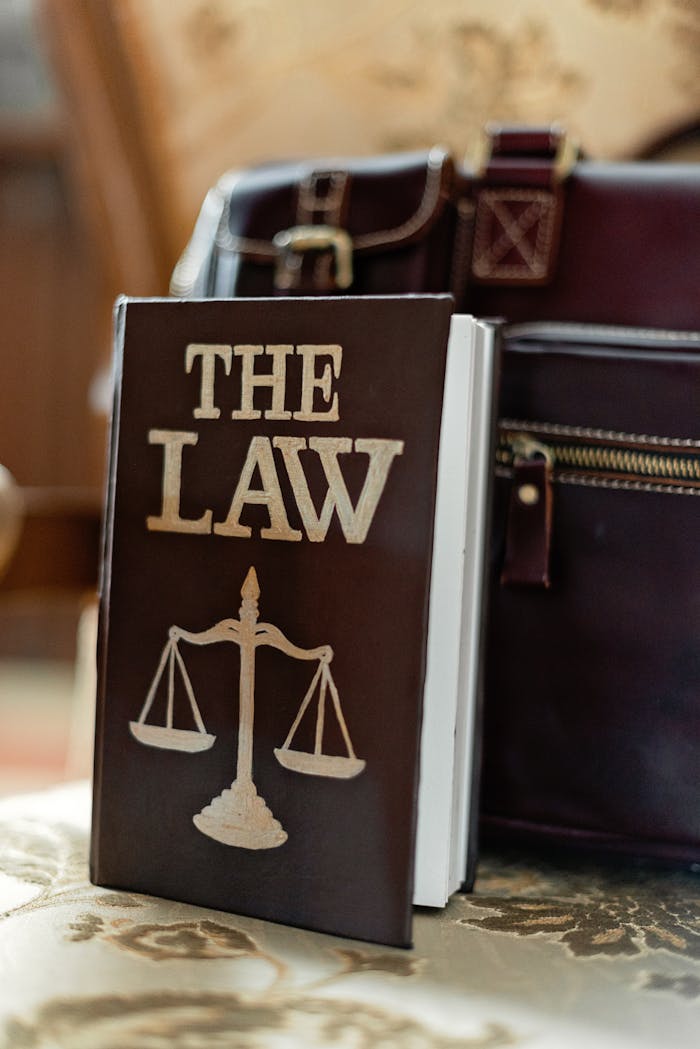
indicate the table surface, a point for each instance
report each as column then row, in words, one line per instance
column 545, row 953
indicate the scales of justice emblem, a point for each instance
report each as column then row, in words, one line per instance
column 239, row 816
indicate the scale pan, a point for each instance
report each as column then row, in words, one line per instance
column 334, row 765
column 171, row 738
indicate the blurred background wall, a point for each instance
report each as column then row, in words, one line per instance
column 164, row 95
column 116, row 116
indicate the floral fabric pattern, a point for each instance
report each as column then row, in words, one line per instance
column 199, row 1021
column 593, row 909
column 545, row 952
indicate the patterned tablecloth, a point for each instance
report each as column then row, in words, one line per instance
column 544, row 954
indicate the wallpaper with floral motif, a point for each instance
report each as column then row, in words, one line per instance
column 229, row 82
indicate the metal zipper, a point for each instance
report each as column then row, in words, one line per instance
column 602, row 458
column 535, row 456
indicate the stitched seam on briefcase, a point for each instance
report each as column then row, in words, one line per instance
column 331, row 204
column 625, row 485
column 563, row 430
column 433, row 193
column 426, row 209
column 604, row 482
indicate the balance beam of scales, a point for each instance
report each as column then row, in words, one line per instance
column 239, row 816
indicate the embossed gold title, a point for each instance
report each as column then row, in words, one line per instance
column 319, row 402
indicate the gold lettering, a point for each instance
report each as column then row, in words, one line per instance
column 355, row 522
column 208, row 353
column 173, row 442
column 310, row 382
column 270, row 495
column 275, row 379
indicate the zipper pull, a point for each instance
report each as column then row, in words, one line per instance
column 529, row 514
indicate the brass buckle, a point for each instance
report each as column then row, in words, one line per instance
column 292, row 243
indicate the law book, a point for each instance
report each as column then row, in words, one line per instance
column 290, row 610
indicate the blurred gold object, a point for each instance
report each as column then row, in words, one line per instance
column 11, row 516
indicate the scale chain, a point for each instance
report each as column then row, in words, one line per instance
column 171, row 688
column 188, row 688
column 304, row 704
column 320, row 713
column 338, row 710
column 155, row 682
column 171, row 654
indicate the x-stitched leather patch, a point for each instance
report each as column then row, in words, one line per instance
column 515, row 236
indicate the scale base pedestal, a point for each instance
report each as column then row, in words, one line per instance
column 240, row 817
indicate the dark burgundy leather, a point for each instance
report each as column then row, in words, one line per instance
column 592, row 720
column 347, row 866
column 592, row 725
column 627, row 252
column 529, row 143
column 529, row 530
column 622, row 237
column 398, row 211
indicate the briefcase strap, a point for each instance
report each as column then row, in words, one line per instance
column 513, row 194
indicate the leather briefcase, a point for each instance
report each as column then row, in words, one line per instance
column 592, row 721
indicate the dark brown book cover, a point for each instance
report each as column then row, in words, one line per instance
column 267, row 555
